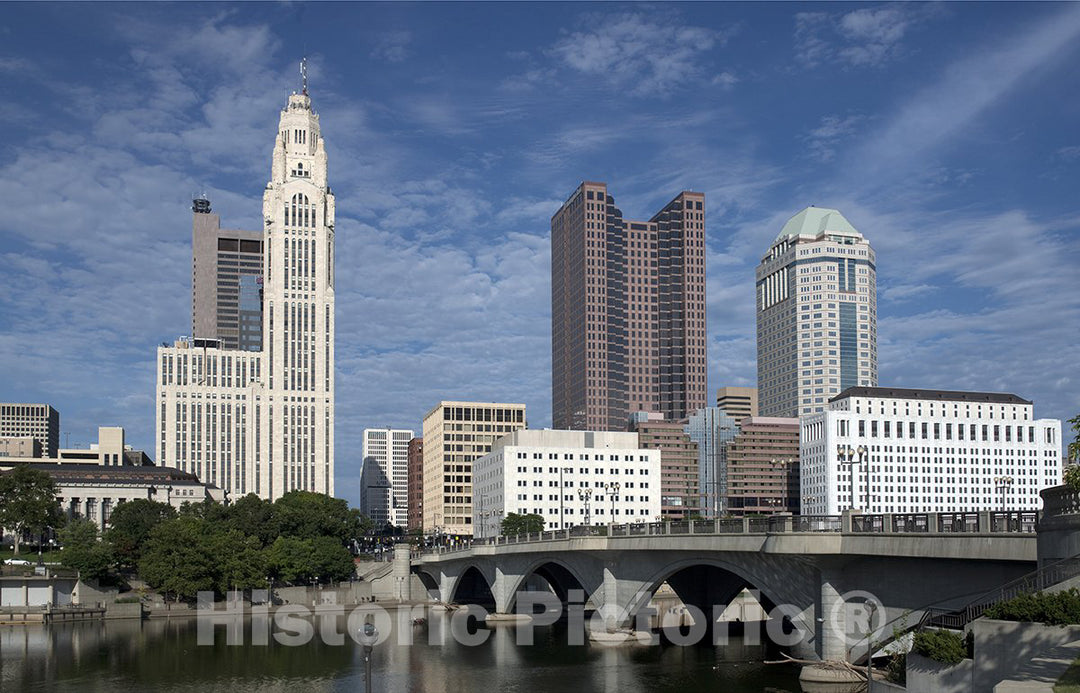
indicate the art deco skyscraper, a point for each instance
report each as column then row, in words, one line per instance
column 263, row 421
column 816, row 314
column 627, row 311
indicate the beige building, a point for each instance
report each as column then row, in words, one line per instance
column 816, row 314
column 455, row 434
column 680, row 494
column 92, row 482
column 737, row 402
column 627, row 311
column 263, row 421
column 40, row 421
column 24, row 446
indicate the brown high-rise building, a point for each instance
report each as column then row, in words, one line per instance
column 737, row 402
column 627, row 311
column 226, row 281
column 679, row 489
column 416, row 484
column 763, row 467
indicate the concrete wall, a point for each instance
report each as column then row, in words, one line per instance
column 924, row 675
column 1002, row 647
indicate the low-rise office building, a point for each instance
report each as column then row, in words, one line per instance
column 895, row 450
column 567, row 477
column 763, row 467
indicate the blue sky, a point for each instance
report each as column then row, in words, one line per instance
column 946, row 133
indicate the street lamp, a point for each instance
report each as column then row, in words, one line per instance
column 613, row 491
column 851, row 457
column 1003, row 484
column 785, row 465
column 584, row 494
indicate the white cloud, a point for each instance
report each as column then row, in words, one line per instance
column 866, row 37
column 1069, row 153
column 650, row 55
column 393, row 46
column 822, row 140
column 726, row 79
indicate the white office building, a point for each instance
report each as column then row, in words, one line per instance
column 816, row 314
column 263, row 421
column 568, row 477
column 384, row 477
column 893, row 450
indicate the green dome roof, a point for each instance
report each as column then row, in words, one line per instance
column 812, row 221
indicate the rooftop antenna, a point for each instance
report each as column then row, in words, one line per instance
column 303, row 73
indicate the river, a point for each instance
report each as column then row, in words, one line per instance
column 163, row 655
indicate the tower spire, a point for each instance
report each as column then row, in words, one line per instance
column 303, row 73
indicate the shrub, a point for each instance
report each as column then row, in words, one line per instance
column 945, row 646
column 1071, row 476
column 1050, row 608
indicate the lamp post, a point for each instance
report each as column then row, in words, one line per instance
column 785, row 466
column 851, row 457
column 1003, row 484
column 612, row 490
column 584, row 494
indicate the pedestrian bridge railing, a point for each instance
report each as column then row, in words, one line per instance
column 981, row 522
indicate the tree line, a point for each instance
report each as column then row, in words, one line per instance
column 297, row 539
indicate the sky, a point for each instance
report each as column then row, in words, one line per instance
column 946, row 133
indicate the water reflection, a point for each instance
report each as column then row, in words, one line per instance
column 162, row 655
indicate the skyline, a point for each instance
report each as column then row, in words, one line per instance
column 456, row 131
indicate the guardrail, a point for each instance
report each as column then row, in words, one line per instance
column 982, row 522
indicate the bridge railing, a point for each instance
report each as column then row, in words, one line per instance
column 1001, row 522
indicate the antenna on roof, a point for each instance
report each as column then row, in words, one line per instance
column 303, row 73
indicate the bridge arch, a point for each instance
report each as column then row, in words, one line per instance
column 430, row 583
column 562, row 575
column 472, row 586
column 705, row 582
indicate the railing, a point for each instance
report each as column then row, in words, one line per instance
column 984, row 522
column 1044, row 577
column 1059, row 501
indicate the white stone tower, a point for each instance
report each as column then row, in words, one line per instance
column 263, row 422
column 298, row 315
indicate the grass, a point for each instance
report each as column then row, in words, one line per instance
column 28, row 554
column 1070, row 680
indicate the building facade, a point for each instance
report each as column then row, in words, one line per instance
column 456, row 434
column 263, row 421
column 226, row 281
column 711, row 428
column 763, row 467
column 38, row 421
column 816, row 314
column 627, row 311
column 91, row 482
column 680, row 492
column 384, row 478
column 568, row 477
column 738, row 402
column 416, row 484
column 894, row 450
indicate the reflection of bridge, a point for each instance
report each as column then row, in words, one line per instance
column 810, row 567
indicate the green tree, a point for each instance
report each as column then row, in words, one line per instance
column 299, row 561
column 254, row 517
column 241, row 562
column 330, row 560
column 515, row 523
column 307, row 515
column 180, row 557
column 83, row 551
column 130, row 526
column 1074, row 445
column 28, row 502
